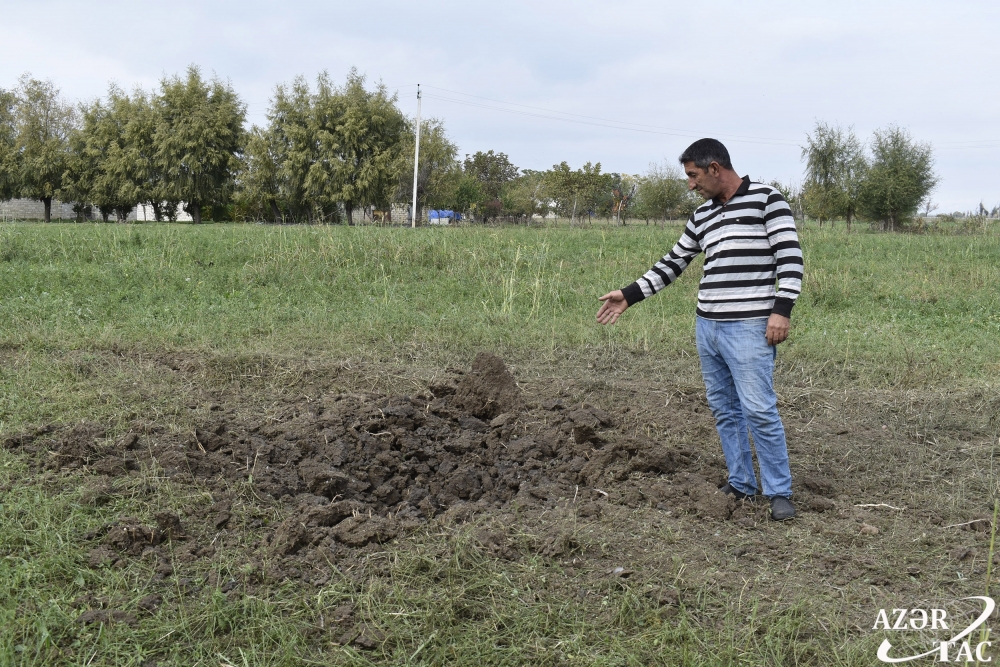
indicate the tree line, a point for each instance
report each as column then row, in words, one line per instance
column 885, row 181
column 182, row 144
column 332, row 152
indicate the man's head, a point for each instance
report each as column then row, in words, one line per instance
column 708, row 168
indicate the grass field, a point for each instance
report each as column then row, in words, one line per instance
column 892, row 358
column 878, row 311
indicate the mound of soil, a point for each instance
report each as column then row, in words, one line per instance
column 489, row 389
column 356, row 469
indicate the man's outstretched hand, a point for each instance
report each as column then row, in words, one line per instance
column 613, row 306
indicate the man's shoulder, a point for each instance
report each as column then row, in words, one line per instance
column 764, row 190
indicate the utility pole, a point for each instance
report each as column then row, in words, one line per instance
column 416, row 158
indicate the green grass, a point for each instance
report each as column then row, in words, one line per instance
column 878, row 310
column 84, row 305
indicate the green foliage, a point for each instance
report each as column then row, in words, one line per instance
column 662, row 193
column 362, row 130
column 9, row 184
column 835, row 170
column 260, row 185
column 525, row 196
column 900, row 178
column 111, row 154
column 887, row 187
column 584, row 189
column 43, row 126
column 199, row 136
column 287, row 151
column 492, row 171
column 468, row 193
column 323, row 150
column 144, row 179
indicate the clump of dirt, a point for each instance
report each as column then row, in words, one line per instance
column 489, row 389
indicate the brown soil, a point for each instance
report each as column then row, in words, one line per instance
column 360, row 468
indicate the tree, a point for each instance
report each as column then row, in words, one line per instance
column 259, row 181
column 43, row 125
column 468, row 194
column 565, row 186
column 525, row 196
column 835, row 169
column 900, row 178
column 492, row 171
column 139, row 167
column 304, row 187
column 584, row 189
column 199, row 138
column 661, row 192
column 596, row 189
column 692, row 200
column 328, row 148
column 9, row 184
column 623, row 189
column 363, row 130
column 109, row 165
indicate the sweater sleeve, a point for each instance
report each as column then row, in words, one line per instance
column 784, row 240
column 667, row 269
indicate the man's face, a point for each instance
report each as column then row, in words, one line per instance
column 706, row 182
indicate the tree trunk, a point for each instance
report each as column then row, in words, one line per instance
column 349, row 209
column 47, row 203
column 195, row 211
column 572, row 216
column 275, row 212
column 157, row 211
column 849, row 217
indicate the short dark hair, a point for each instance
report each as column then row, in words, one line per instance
column 706, row 151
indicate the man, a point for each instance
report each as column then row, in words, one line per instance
column 747, row 233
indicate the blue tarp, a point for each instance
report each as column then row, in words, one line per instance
column 433, row 214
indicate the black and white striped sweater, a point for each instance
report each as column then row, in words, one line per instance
column 749, row 243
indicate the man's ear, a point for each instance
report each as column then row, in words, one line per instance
column 714, row 169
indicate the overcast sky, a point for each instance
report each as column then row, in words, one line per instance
column 756, row 75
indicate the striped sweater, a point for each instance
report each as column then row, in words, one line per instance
column 749, row 243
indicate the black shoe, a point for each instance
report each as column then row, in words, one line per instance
column 730, row 491
column 781, row 509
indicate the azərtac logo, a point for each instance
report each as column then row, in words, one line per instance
column 956, row 649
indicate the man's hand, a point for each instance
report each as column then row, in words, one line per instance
column 613, row 306
column 777, row 329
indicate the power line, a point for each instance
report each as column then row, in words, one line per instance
column 688, row 134
column 970, row 144
column 660, row 129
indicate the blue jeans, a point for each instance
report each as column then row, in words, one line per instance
column 738, row 367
